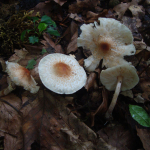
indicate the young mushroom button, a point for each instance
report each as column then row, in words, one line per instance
column 21, row 77
column 61, row 73
column 110, row 40
column 119, row 78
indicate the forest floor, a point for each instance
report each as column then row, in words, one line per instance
column 49, row 121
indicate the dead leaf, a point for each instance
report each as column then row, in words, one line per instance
column 118, row 136
column 145, row 85
column 139, row 45
column 50, row 46
column 72, row 46
column 49, row 8
column 10, row 126
column 121, row 9
column 144, row 136
column 70, row 35
column 60, row 2
column 127, row 93
column 83, row 6
column 19, row 54
column 91, row 81
column 139, row 98
column 45, row 120
column 137, row 11
column 76, row 17
column 131, row 24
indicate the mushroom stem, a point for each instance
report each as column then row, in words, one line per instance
column 108, row 114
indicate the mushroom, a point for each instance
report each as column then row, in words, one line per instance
column 21, row 77
column 110, row 40
column 61, row 73
column 118, row 78
column 90, row 63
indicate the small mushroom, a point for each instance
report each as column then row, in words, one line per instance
column 118, row 78
column 110, row 40
column 61, row 73
column 21, row 77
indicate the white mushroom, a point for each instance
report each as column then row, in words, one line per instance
column 91, row 64
column 21, row 77
column 61, row 73
column 109, row 41
column 119, row 78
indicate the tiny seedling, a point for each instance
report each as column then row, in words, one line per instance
column 43, row 51
column 46, row 24
column 31, row 64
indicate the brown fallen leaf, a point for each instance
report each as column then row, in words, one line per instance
column 46, row 119
column 91, row 82
column 72, row 46
column 83, row 6
column 50, row 46
column 144, row 136
column 19, row 54
column 137, row 11
column 76, row 17
column 10, row 126
column 49, row 8
column 121, row 9
column 118, row 136
column 145, row 85
column 91, row 16
column 131, row 24
column 139, row 45
column 60, row 2
column 70, row 36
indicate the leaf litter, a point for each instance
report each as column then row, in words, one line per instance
column 50, row 121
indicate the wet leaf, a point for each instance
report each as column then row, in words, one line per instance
column 140, row 115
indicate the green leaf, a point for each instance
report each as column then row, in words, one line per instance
column 140, row 115
column 31, row 64
column 42, row 26
column 52, row 31
column 46, row 19
column 35, row 19
column 24, row 33
column 33, row 39
column 43, row 51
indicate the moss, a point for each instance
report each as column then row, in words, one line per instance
column 10, row 32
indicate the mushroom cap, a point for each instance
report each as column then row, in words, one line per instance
column 90, row 63
column 21, row 77
column 128, row 73
column 109, row 39
column 61, row 73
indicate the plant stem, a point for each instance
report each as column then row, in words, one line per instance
column 108, row 114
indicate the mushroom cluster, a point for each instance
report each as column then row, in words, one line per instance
column 110, row 40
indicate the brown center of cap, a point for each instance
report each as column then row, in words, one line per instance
column 62, row 69
column 104, row 46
